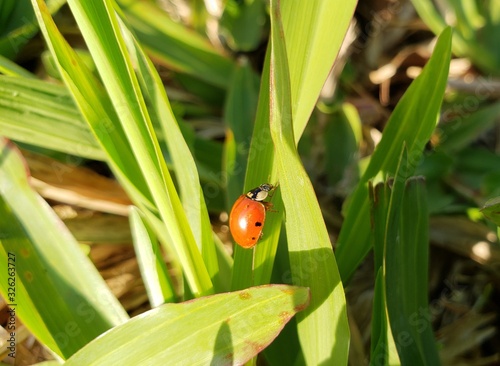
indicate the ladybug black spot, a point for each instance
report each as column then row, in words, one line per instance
column 258, row 224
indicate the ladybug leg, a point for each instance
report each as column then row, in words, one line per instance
column 269, row 206
column 271, row 194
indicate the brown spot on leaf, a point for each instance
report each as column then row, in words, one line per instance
column 25, row 253
column 28, row 275
column 245, row 295
column 284, row 317
column 301, row 307
column 256, row 347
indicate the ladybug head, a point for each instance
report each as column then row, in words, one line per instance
column 261, row 192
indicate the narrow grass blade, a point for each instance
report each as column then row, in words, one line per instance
column 342, row 138
column 175, row 45
column 97, row 21
column 379, row 348
column 323, row 328
column 154, row 272
column 29, row 106
column 10, row 68
column 96, row 107
column 54, row 122
column 128, row 139
column 407, row 279
column 412, row 123
column 58, row 293
column 184, row 165
column 222, row 329
column 239, row 114
column 225, row 262
column 314, row 31
column 385, row 199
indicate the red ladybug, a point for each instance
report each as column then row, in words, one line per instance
column 248, row 215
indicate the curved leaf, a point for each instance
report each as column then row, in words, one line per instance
column 224, row 329
column 323, row 328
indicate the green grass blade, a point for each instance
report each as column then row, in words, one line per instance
column 221, row 329
column 51, row 105
column 96, row 107
column 342, row 138
column 385, row 199
column 154, row 272
column 10, row 68
column 225, row 262
column 239, row 114
column 323, row 329
column 175, row 45
column 183, row 162
column 491, row 210
column 411, row 122
column 311, row 52
column 314, row 31
column 29, row 106
column 129, row 140
column 379, row 350
column 407, row 279
column 59, row 294
column 97, row 22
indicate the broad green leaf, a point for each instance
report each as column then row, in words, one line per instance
column 412, row 123
column 154, row 272
column 222, row 329
column 323, row 328
column 491, row 210
column 59, row 295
